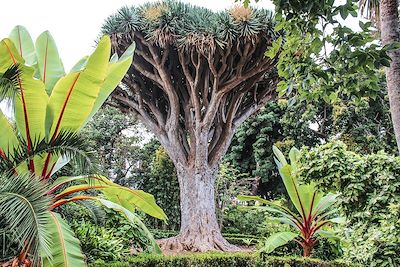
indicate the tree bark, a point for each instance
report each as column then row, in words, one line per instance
column 390, row 34
column 199, row 225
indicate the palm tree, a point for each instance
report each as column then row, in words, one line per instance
column 24, row 208
column 386, row 16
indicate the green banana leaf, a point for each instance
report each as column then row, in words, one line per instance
column 23, row 41
column 134, row 220
column 304, row 197
column 65, row 249
column 277, row 240
column 74, row 95
column 30, row 103
column 116, row 72
column 128, row 198
column 49, row 63
column 8, row 140
column 280, row 158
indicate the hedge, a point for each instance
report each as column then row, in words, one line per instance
column 217, row 260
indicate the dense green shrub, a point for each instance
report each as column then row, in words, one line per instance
column 158, row 177
column 217, row 259
column 99, row 242
column 241, row 220
column 105, row 235
column 370, row 198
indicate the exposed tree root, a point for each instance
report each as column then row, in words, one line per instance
column 16, row 263
column 196, row 243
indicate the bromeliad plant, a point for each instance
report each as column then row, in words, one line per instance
column 49, row 108
column 314, row 211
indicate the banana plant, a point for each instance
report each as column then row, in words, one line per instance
column 49, row 108
column 314, row 212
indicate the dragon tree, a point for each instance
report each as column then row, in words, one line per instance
column 196, row 76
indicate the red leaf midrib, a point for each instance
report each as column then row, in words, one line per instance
column 63, row 107
column 28, row 134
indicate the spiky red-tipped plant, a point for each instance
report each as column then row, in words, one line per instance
column 314, row 211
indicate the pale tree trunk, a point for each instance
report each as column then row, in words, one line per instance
column 200, row 230
column 390, row 33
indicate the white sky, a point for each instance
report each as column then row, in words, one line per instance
column 75, row 24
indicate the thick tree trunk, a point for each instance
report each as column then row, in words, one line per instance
column 390, row 34
column 199, row 226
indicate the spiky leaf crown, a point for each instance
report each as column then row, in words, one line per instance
column 184, row 25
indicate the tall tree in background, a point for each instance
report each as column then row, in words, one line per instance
column 389, row 23
column 197, row 76
column 115, row 138
column 384, row 13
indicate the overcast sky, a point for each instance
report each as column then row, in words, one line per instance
column 75, row 24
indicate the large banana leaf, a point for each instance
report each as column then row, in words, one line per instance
column 60, row 181
column 30, row 106
column 277, row 240
column 275, row 208
column 23, row 41
column 8, row 139
column 309, row 198
column 325, row 203
column 134, row 220
column 291, row 187
column 126, row 197
column 130, row 199
column 280, row 158
column 30, row 103
column 49, row 63
column 304, row 197
column 116, row 72
column 65, row 249
column 74, row 95
column 9, row 55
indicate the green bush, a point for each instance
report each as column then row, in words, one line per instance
column 240, row 220
column 217, row 260
column 107, row 236
column 99, row 243
column 370, row 198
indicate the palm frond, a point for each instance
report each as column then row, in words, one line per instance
column 370, row 10
column 24, row 210
column 67, row 144
column 9, row 86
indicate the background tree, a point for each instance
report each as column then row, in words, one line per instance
column 364, row 124
column 160, row 180
column 386, row 16
column 197, row 76
column 389, row 22
column 115, row 138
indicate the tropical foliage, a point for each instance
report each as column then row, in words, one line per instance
column 370, row 198
column 313, row 214
column 49, row 108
